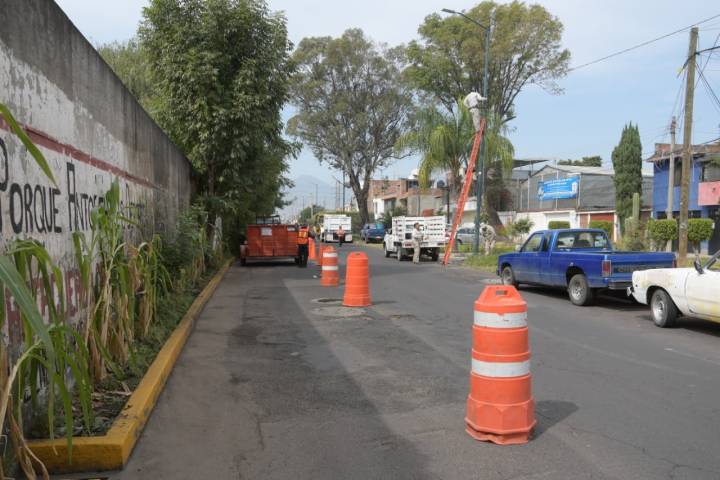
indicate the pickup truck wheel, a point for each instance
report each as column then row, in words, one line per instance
column 387, row 252
column 579, row 291
column 664, row 311
column 243, row 261
column 435, row 255
column 508, row 277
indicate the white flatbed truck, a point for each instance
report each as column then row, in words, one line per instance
column 398, row 241
column 331, row 224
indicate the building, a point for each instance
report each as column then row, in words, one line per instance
column 386, row 194
column 704, row 192
column 574, row 194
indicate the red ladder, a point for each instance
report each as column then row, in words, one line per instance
column 465, row 191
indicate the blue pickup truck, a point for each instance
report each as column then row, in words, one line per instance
column 373, row 232
column 580, row 260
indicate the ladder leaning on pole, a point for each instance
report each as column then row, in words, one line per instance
column 464, row 193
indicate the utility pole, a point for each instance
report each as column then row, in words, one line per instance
column 671, row 177
column 687, row 146
column 480, row 181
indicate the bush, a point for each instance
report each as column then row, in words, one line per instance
column 606, row 225
column 555, row 224
column 519, row 227
column 660, row 232
column 699, row 230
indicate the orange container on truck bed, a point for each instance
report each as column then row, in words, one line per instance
column 269, row 239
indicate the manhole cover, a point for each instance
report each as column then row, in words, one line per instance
column 327, row 301
column 339, row 312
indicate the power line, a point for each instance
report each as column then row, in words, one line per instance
column 639, row 45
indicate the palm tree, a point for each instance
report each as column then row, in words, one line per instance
column 445, row 141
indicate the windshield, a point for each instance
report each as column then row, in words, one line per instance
column 582, row 240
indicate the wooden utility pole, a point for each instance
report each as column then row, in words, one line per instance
column 687, row 146
column 671, row 177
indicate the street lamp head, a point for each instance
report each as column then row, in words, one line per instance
column 447, row 10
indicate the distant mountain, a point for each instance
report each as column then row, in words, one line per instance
column 303, row 193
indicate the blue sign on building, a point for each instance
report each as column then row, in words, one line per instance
column 559, row 189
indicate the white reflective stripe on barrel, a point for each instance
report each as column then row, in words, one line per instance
column 497, row 320
column 329, row 267
column 330, row 255
column 500, row 369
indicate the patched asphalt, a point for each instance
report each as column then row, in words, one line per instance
column 279, row 381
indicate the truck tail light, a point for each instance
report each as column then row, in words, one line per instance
column 606, row 268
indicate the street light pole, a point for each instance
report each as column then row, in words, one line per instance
column 480, row 175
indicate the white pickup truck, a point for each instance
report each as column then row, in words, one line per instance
column 398, row 241
column 670, row 292
column 331, row 224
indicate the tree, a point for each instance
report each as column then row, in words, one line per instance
column 627, row 162
column 307, row 213
column 699, row 230
column 444, row 141
column 222, row 70
column 525, row 49
column 594, row 161
column 130, row 63
column 351, row 105
column 660, row 232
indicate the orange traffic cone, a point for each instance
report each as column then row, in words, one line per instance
column 500, row 408
column 357, row 287
column 311, row 250
column 330, row 274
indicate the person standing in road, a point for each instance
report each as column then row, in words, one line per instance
column 302, row 243
column 341, row 236
column 417, row 237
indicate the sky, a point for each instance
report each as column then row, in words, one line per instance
column 641, row 86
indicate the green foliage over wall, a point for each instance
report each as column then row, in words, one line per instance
column 555, row 224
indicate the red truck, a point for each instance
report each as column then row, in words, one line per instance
column 269, row 239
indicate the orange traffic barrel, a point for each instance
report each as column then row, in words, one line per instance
column 330, row 275
column 311, row 250
column 500, row 407
column 357, row 281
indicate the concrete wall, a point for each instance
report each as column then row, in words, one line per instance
column 90, row 129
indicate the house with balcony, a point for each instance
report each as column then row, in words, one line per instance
column 704, row 193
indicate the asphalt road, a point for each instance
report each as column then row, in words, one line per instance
column 276, row 383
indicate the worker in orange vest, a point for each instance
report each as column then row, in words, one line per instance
column 302, row 242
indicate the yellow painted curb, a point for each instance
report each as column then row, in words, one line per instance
column 112, row 450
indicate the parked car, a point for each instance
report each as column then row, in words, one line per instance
column 692, row 292
column 581, row 260
column 465, row 236
column 372, row 232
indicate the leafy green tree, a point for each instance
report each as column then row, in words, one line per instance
column 447, row 63
column 699, row 230
column 221, row 69
column 307, row 213
column 351, row 105
column 594, row 161
column 444, row 141
column 627, row 162
column 660, row 232
column 130, row 63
